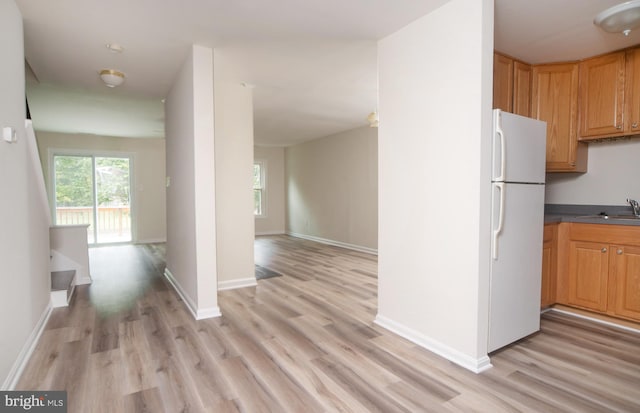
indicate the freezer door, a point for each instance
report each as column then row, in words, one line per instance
column 519, row 148
column 516, row 264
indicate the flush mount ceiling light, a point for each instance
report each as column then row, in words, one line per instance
column 111, row 78
column 621, row 18
column 373, row 119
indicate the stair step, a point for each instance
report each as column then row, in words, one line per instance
column 61, row 280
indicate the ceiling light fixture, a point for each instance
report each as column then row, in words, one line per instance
column 373, row 119
column 111, row 78
column 621, row 18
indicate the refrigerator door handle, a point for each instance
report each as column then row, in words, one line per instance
column 503, row 155
column 498, row 229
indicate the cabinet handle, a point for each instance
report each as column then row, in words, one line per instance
column 634, row 125
column 603, row 250
column 618, row 127
column 619, row 252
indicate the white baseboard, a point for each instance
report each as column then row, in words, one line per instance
column 475, row 365
column 151, row 241
column 233, row 284
column 198, row 313
column 27, row 350
column 353, row 247
column 270, row 233
column 205, row 313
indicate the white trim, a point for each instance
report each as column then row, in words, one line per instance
column 197, row 313
column 270, row 233
column 27, row 350
column 475, row 365
column 354, row 247
column 62, row 298
column 32, row 143
column 596, row 320
column 84, row 280
column 233, row 284
column 151, row 241
column 211, row 312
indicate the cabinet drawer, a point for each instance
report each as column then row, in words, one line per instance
column 605, row 233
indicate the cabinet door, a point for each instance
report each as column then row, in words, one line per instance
column 549, row 265
column 521, row 88
column 554, row 99
column 626, row 278
column 632, row 98
column 502, row 82
column 588, row 275
column 602, row 95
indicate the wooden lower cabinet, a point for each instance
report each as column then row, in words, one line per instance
column 588, row 275
column 549, row 265
column 601, row 271
column 625, row 271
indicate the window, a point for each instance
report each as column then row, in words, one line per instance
column 93, row 190
column 258, row 189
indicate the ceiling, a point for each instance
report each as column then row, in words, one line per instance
column 313, row 63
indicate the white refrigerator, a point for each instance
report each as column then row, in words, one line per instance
column 517, row 184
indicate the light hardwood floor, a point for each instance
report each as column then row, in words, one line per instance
column 303, row 342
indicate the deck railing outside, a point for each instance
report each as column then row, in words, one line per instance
column 114, row 223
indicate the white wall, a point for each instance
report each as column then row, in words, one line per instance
column 234, row 176
column 612, row 177
column 435, row 91
column 272, row 221
column 148, row 174
column 70, row 251
column 332, row 188
column 24, row 221
column 191, row 226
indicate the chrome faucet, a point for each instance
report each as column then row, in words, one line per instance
column 635, row 205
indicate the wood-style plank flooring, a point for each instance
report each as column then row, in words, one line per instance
column 302, row 342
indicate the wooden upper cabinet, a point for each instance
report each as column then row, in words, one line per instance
column 522, row 75
column 511, row 85
column 554, row 99
column 502, row 82
column 632, row 92
column 602, row 94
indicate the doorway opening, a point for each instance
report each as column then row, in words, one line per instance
column 96, row 191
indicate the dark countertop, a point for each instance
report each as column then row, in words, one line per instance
column 590, row 214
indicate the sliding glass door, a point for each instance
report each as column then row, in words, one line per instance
column 94, row 190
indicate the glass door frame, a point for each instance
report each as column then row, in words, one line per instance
column 53, row 152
